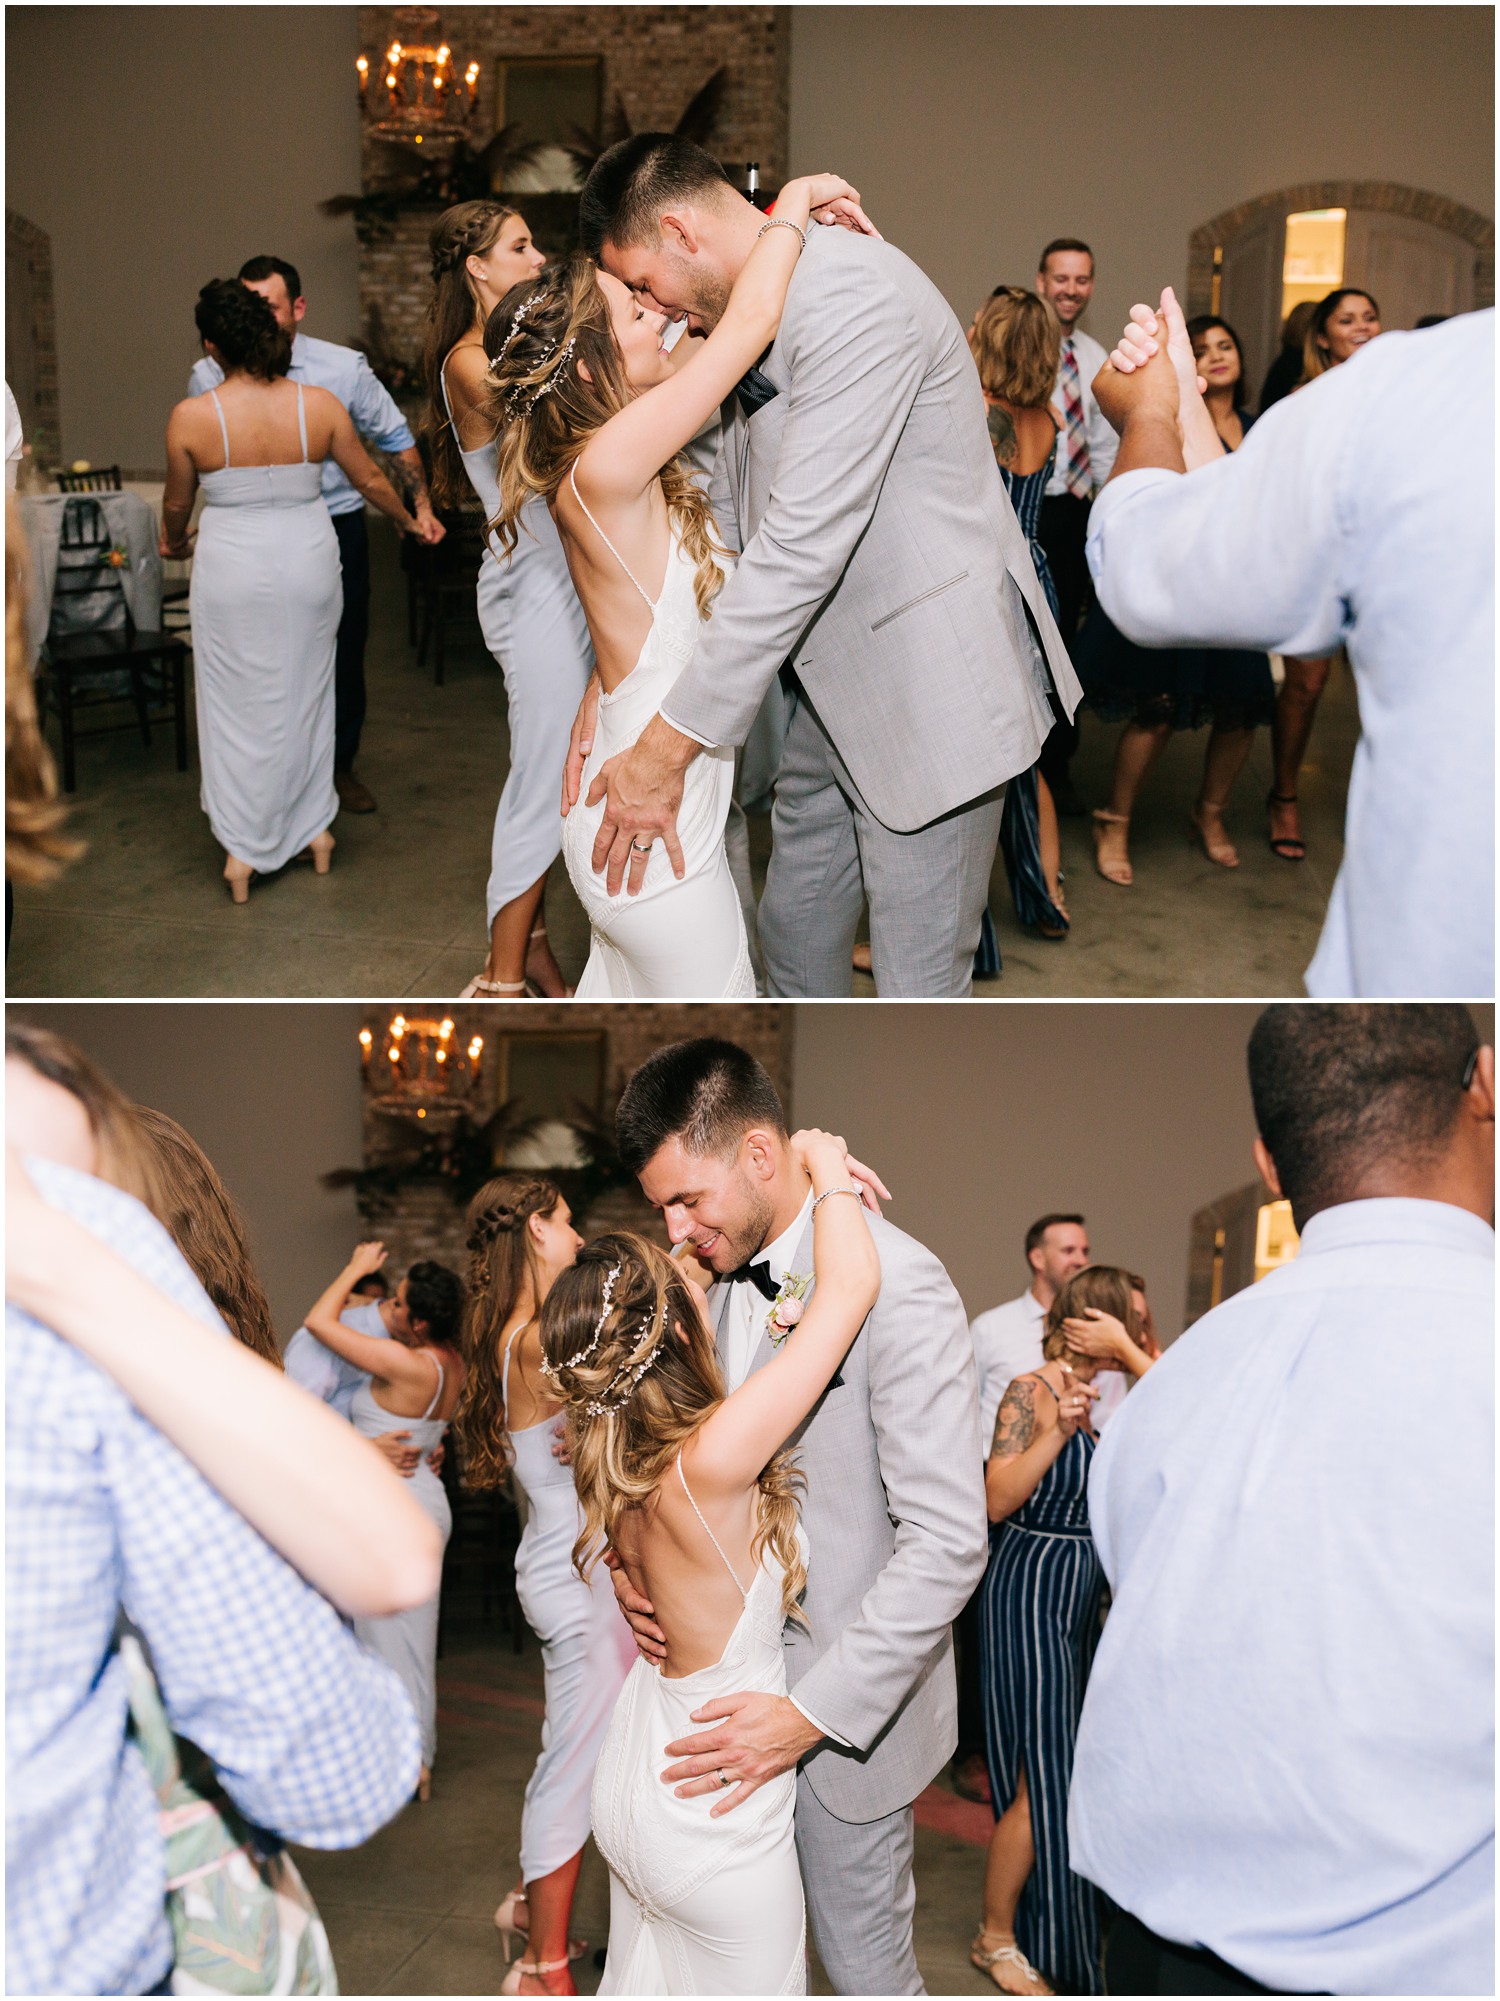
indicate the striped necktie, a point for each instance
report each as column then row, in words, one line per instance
column 1077, row 473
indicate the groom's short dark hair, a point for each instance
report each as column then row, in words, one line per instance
column 630, row 185
column 706, row 1093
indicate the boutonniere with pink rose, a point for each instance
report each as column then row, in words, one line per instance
column 787, row 1306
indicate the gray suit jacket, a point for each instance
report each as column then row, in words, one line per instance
column 881, row 554
column 895, row 1517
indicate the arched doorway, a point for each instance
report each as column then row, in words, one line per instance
column 1416, row 252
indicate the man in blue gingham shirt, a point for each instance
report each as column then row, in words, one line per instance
column 312, row 1737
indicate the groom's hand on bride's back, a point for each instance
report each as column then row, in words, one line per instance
column 649, row 1637
column 642, row 789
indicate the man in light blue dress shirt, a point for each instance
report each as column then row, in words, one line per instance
column 1354, row 514
column 344, row 371
column 1284, row 1773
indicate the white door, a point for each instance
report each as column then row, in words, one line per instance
column 1250, row 295
column 1410, row 267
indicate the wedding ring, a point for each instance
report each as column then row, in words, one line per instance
column 641, row 847
column 723, row 1777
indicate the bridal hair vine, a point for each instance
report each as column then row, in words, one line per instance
column 575, row 1361
column 510, row 332
column 514, row 405
column 623, row 1388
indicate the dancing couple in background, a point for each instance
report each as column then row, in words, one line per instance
column 794, row 1613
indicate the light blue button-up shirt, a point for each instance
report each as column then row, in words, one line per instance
column 312, row 1737
column 1347, row 517
column 1287, row 1746
column 328, row 1376
column 346, row 372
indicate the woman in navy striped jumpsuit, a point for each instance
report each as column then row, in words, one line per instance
column 1039, row 1621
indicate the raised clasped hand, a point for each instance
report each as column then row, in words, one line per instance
column 758, row 1738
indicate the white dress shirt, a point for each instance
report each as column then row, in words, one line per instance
column 345, row 371
column 15, row 443
column 1345, row 517
column 328, row 1376
column 1286, row 1748
column 1103, row 439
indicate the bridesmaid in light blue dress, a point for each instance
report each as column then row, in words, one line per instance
column 266, row 592
column 415, row 1380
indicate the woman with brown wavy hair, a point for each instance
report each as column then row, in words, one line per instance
column 695, row 1493
column 593, row 414
column 521, row 1237
column 528, row 611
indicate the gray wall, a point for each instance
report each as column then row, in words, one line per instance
column 976, row 134
column 272, row 1095
column 160, row 147
column 981, row 1118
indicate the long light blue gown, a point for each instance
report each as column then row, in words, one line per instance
column 266, row 598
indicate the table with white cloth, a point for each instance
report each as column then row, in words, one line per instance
column 131, row 526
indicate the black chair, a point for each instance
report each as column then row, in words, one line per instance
column 99, row 479
column 441, row 586
column 86, row 668
column 479, row 1563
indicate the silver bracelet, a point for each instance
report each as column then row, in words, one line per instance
column 834, row 1191
column 780, row 222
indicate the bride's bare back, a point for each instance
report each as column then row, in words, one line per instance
column 670, row 1559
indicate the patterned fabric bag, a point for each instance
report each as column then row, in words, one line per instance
column 243, row 1920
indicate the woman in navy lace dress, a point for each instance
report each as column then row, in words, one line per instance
column 1017, row 341
column 1156, row 690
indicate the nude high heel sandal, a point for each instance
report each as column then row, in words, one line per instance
column 321, row 847
column 1117, row 871
column 238, row 876
column 526, row 1968
column 1006, row 1956
column 511, row 1928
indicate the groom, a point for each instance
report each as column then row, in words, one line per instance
column 894, row 1513
column 883, row 567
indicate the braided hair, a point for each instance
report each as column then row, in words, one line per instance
column 243, row 328
column 500, row 1266
column 627, row 1345
column 467, row 230
column 539, row 338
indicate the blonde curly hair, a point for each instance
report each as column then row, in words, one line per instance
column 545, row 410
column 626, row 1347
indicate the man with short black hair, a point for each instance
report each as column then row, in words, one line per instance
column 1284, row 1767
column 1086, row 447
column 1008, row 1339
column 882, row 576
column 893, row 1506
column 345, row 372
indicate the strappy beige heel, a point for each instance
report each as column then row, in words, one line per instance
column 1009, row 1956
column 1117, row 871
column 529, row 1969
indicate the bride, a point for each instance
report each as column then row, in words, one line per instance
column 592, row 414
column 695, row 1493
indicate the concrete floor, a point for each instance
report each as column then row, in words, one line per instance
column 401, row 915
column 412, row 1911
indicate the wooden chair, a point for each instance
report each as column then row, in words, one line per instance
column 83, row 669
column 480, row 1560
column 442, row 586
column 99, row 479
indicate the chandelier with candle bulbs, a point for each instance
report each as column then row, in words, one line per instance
column 421, row 1067
column 417, row 90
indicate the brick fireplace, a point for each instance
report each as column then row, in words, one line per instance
column 655, row 58
column 419, row 1215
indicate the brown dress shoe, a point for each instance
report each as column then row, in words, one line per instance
column 971, row 1779
column 353, row 797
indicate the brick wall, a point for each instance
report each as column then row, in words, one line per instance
column 423, row 1220
column 655, row 58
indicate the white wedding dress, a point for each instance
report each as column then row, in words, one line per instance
column 672, row 940
column 700, row 1905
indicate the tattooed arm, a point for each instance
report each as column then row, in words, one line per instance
column 1003, row 440
column 1027, row 1440
column 411, row 481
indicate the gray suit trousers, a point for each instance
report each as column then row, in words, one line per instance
column 829, row 855
column 861, row 1896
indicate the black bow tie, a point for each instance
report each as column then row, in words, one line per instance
column 754, row 389
column 757, row 1275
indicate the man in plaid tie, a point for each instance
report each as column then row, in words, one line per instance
column 1085, row 454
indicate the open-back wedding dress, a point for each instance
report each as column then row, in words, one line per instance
column 699, row 1905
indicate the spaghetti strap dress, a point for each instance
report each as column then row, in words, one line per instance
column 674, row 940
column 408, row 1640
column 266, row 598
column 1039, row 1623
column 1020, row 822
column 587, row 1648
column 535, row 630
column 699, row 1905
